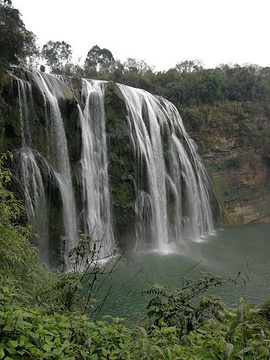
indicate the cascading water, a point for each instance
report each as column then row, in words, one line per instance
column 94, row 168
column 57, row 153
column 176, row 172
column 172, row 190
column 52, row 94
column 147, row 143
column 29, row 172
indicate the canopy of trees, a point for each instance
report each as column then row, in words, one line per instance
column 197, row 92
column 99, row 60
column 187, row 84
column 58, row 55
column 17, row 44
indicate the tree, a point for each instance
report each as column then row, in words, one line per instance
column 189, row 66
column 241, row 83
column 17, row 44
column 58, row 55
column 137, row 66
column 99, row 60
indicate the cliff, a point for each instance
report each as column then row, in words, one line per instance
column 234, row 142
column 117, row 163
column 107, row 160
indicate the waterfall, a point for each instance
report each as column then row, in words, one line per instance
column 58, row 161
column 171, row 188
column 94, row 168
column 147, row 144
column 29, row 172
column 52, row 92
column 186, row 169
column 179, row 174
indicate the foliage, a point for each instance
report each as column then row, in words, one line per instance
column 39, row 316
column 17, row 256
column 37, row 321
column 58, row 56
column 34, row 334
column 98, row 60
column 184, row 309
column 81, row 284
column 20, row 264
column 17, row 44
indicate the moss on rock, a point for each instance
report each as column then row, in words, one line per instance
column 122, row 165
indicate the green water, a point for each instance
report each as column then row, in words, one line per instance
column 245, row 249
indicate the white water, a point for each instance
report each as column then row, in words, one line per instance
column 147, row 145
column 96, row 212
column 184, row 178
column 58, row 153
column 29, row 173
column 185, row 164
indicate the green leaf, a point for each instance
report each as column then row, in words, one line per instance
column 245, row 350
column 13, row 343
column 104, row 352
column 2, row 353
column 46, row 347
column 11, row 351
column 229, row 349
column 94, row 357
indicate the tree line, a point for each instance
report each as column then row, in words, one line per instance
column 203, row 96
column 188, row 83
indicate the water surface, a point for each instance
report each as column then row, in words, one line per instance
column 245, row 249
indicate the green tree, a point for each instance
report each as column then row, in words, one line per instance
column 189, row 66
column 240, row 82
column 17, row 44
column 18, row 258
column 99, row 60
column 58, row 55
column 136, row 66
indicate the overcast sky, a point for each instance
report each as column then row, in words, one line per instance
column 162, row 32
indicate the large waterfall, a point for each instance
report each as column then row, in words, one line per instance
column 68, row 156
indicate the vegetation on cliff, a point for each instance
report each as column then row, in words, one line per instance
column 17, row 44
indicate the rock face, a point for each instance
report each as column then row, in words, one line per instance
column 111, row 161
column 232, row 152
column 234, row 142
column 117, row 163
column 241, row 180
column 238, row 164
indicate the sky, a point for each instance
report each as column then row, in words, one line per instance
column 161, row 32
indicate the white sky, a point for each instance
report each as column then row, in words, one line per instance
column 162, row 32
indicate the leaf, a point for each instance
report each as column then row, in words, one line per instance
column 94, row 357
column 255, row 311
column 229, row 349
column 168, row 330
column 47, row 348
column 13, row 343
column 11, row 351
column 104, row 352
column 2, row 353
column 245, row 350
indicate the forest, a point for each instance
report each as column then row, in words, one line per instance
column 44, row 313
